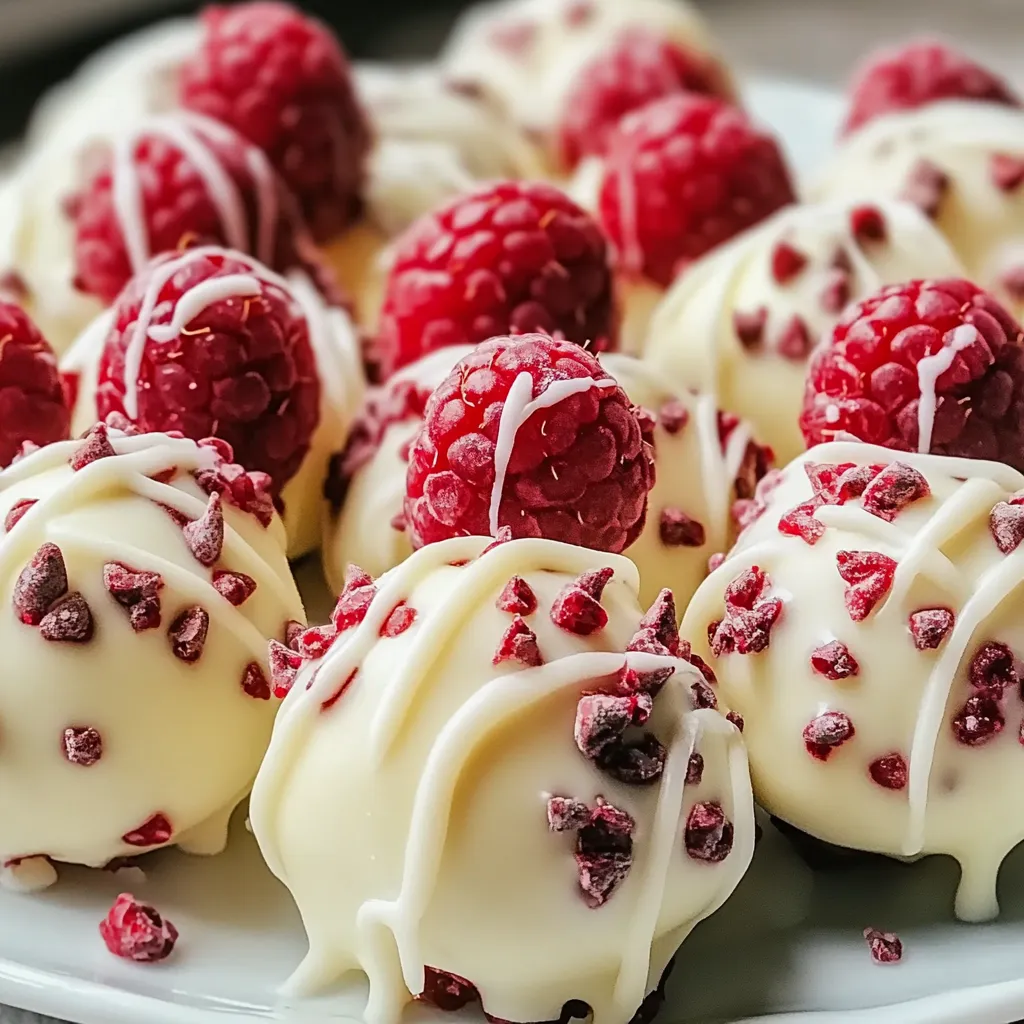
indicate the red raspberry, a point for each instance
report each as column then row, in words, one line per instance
column 519, row 435
column 196, row 182
column 33, row 406
column 875, row 378
column 283, row 81
column 639, row 67
column 509, row 258
column 916, row 74
column 683, row 175
column 240, row 368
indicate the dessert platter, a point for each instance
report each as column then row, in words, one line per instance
column 537, row 535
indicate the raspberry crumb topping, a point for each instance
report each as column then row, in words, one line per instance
column 254, row 682
column 448, row 992
column 931, row 366
column 518, row 643
column 868, row 575
column 834, row 661
column 750, row 615
column 205, row 535
column 695, row 769
column 137, row 591
column 96, row 445
column 684, row 174
column 822, row 735
column 188, row 634
column 868, row 224
column 978, row 721
column 137, row 931
column 897, row 486
column 577, row 608
column 281, row 79
column 354, row 601
column 886, row 947
column 930, row 626
column 517, row 597
column 1006, row 524
column 68, row 621
column 401, row 618
column 41, row 583
column 709, row 833
column 155, row 831
column 889, row 772
column 284, row 667
column 993, row 669
column 918, row 73
column 658, row 630
column 235, row 587
column 316, row 641
column 602, row 720
column 677, row 529
column 82, row 745
column 16, row 511
column 532, row 434
column 787, row 262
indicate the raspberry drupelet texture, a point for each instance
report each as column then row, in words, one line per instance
column 514, row 257
column 921, row 72
column 33, row 406
column 532, row 435
column 929, row 366
column 211, row 344
column 189, row 181
column 684, row 174
column 639, row 67
column 284, row 82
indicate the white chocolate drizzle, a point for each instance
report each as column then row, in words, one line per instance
column 929, row 370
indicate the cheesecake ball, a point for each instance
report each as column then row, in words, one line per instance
column 868, row 628
column 962, row 163
column 548, row 800
column 143, row 575
column 740, row 324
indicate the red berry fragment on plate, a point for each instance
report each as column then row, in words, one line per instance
column 886, row 947
column 137, row 931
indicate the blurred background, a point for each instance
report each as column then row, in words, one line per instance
column 41, row 41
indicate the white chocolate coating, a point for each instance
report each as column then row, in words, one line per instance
column 983, row 222
column 180, row 739
column 693, row 339
column 444, row 763
column 959, row 800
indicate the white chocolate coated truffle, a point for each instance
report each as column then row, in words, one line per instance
column 135, row 709
column 445, row 763
column 740, row 323
column 963, row 163
column 339, row 362
column 877, row 668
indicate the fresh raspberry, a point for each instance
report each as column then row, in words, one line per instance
column 683, row 175
column 283, row 81
column 929, row 365
column 33, row 406
column 510, row 258
column 640, row 66
column 532, row 434
column 197, row 183
column 242, row 368
column 137, row 931
column 916, row 74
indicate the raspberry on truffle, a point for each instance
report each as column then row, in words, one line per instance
column 529, row 433
column 283, row 81
column 514, row 257
column 683, row 175
column 210, row 343
column 929, row 366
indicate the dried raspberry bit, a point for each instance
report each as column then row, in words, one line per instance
column 188, row 634
column 658, row 631
column 339, row 693
column 703, row 697
column 673, row 416
column 95, row 446
column 42, row 582
column 316, row 641
column 746, row 511
column 355, row 599
column 601, row 723
column 749, row 327
column 235, row 587
column 503, row 536
column 709, row 833
column 800, row 522
column 518, row 643
column 993, row 669
column 517, row 597
column 1007, row 171
column 448, row 992
column 889, row 772
column 137, row 591
column 886, row 947
column 401, row 618
column 566, row 814
column 736, row 719
column 930, row 626
column 577, row 608
column 677, row 529
column 683, row 175
column 868, row 224
column 980, row 719
column 695, row 769
column 824, row 734
column 749, row 615
column 155, row 831
column 834, row 661
column 868, row 575
column 17, row 510
column 205, row 535
column 291, row 633
column 1006, row 524
column 787, row 262
column 892, row 490
column 82, row 746
column 835, row 293
column 254, row 682
column 926, row 186
column 795, row 341
column 284, row 667
column 248, row 491
column 68, row 621
column 137, row 931
column 510, row 258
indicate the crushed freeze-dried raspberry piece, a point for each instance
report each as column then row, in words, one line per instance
column 786, row 262
column 155, row 831
column 800, row 521
column 1007, row 171
column 978, row 721
column 355, row 599
column 95, row 446
column 868, row 224
column 292, row 631
column 830, row 730
column 735, row 718
column 695, row 769
column 709, row 833
column 604, row 853
column 893, row 489
column 234, row 587
column 926, row 186
column 703, row 696
column 249, row 491
column 673, row 416
column 446, row 991
column 338, row 693
column 517, row 597
column 316, row 641
column 503, row 536
column 746, row 511
column 254, row 682
column 17, row 510
column 566, row 814
column 677, row 529
column 205, row 535
column 188, row 633
column 40, row 584
column 601, row 723
column 749, row 615
column 284, row 667
column 137, row 931
column 658, row 629
column 577, row 607
column 68, row 621
column 749, row 326
column 886, row 947
column 834, row 660
column 993, row 669
column 401, row 618
column 82, row 745
column 868, row 575
column 890, row 771
column 930, row 626
column 1006, row 523
column 518, row 643
column 137, row 591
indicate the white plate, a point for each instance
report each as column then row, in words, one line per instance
column 788, row 941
